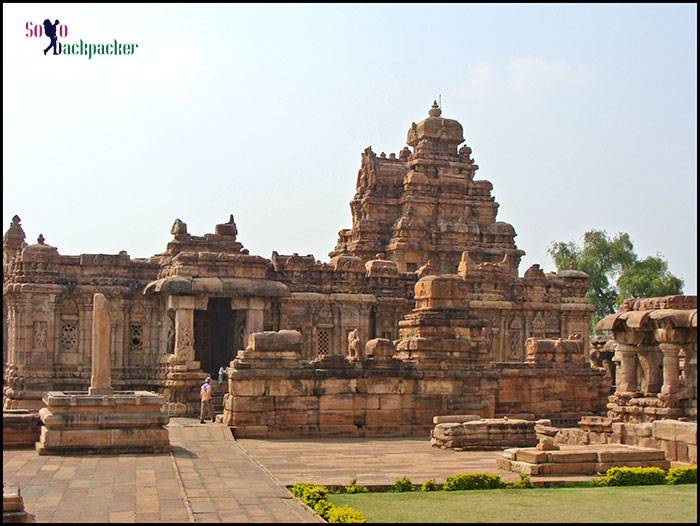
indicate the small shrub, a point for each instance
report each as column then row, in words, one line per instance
column 473, row 481
column 523, row 483
column 356, row 488
column 299, row 487
column 403, row 484
column 313, row 495
column 684, row 475
column 323, row 508
column 344, row 514
column 429, row 485
column 626, row 476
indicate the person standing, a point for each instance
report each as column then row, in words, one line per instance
column 205, row 393
column 222, row 371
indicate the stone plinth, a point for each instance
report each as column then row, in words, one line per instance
column 676, row 438
column 126, row 421
column 488, row 433
column 20, row 428
column 13, row 505
column 580, row 460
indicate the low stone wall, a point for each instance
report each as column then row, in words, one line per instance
column 20, row 428
column 351, row 401
column 488, row 433
column 561, row 395
column 676, row 438
column 579, row 460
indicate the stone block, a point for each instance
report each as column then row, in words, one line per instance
column 669, row 448
column 643, row 429
column 336, row 402
column 335, row 386
column 388, row 417
column 675, row 430
column 247, row 387
column 531, row 456
column 294, row 418
column 251, row 431
column 648, row 442
column 570, row 457
column 510, row 453
column 390, row 401
column 597, row 438
column 293, row 387
column 275, row 341
column 439, row 387
column 296, row 403
column 253, row 403
column 630, row 454
column 336, row 418
column 568, row 468
column 682, row 451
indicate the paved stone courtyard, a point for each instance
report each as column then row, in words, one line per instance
column 369, row 460
column 207, row 478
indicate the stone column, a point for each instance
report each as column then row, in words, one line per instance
column 254, row 318
column 627, row 371
column 671, row 370
column 649, row 357
column 101, row 379
column 184, row 326
column 690, row 369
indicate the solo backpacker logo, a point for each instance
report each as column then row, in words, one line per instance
column 53, row 30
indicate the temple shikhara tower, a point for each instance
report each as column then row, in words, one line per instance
column 424, row 291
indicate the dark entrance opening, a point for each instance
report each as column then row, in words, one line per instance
column 216, row 335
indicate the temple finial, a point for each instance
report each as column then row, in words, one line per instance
column 435, row 110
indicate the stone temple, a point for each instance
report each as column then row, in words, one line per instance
column 423, row 288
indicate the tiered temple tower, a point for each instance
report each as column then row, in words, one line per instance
column 425, row 205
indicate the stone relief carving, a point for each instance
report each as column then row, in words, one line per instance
column 353, row 345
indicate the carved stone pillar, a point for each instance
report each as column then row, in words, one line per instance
column 671, row 371
column 184, row 326
column 627, row 371
column 649, row 359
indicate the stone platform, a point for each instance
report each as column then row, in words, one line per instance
column 482, row 433
column 20, row 428
column 125, row 421
column 13, row 505
column 576, row 460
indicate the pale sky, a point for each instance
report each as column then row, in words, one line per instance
column 582, row 116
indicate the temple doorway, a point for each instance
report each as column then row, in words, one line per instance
column 217, row 335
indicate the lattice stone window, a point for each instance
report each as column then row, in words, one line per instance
column 324, row 339
column 135, row 338
column 386, row 335
column 69, row 337
column 411, row 267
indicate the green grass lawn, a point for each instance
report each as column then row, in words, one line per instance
column 610, row 504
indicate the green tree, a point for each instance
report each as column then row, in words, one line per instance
column 614, row 270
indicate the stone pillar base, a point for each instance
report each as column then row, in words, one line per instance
column 124, row 422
